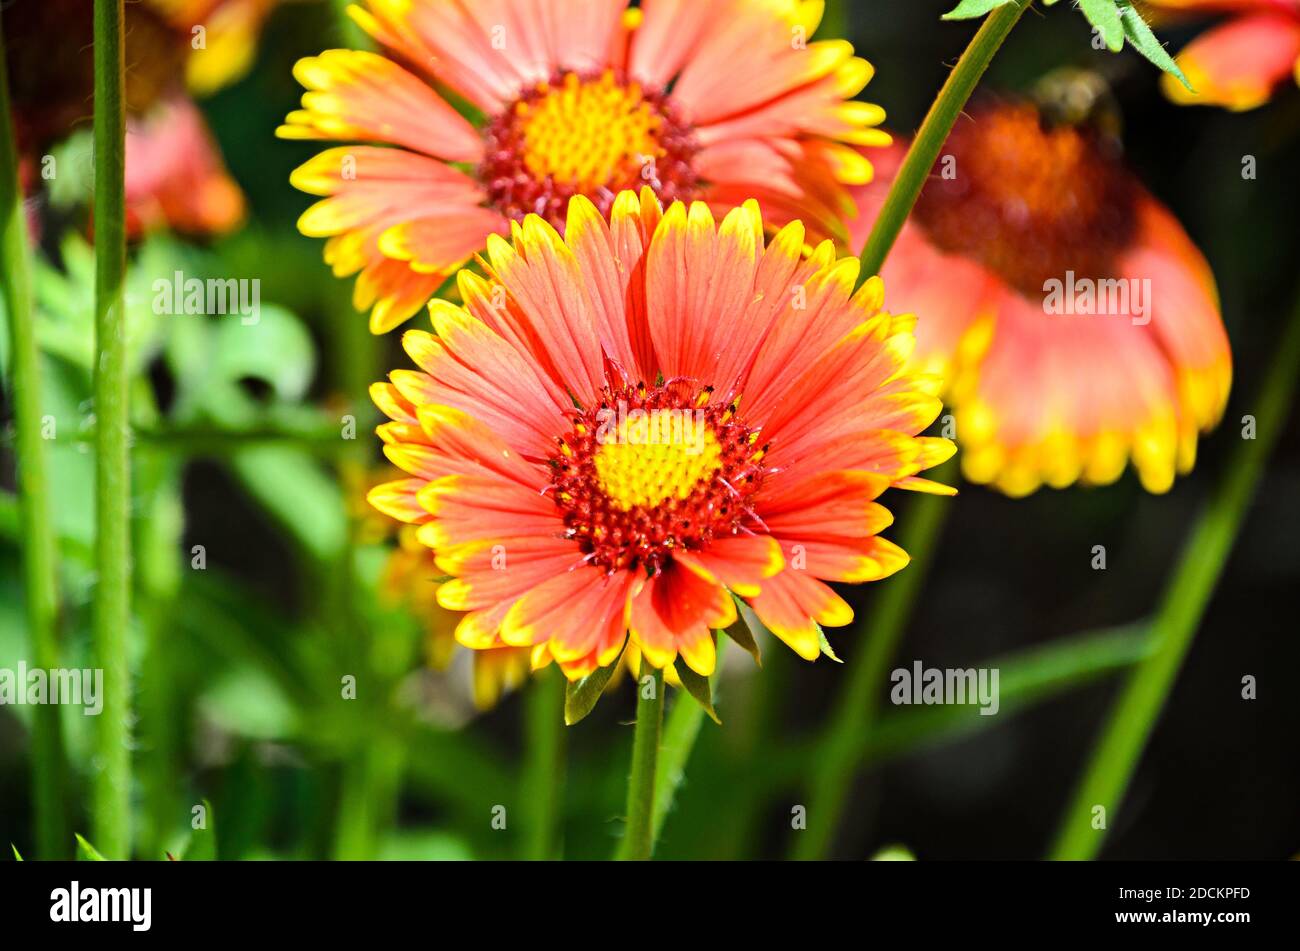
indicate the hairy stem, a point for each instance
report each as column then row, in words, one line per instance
column 40, row 552
column 112, row 781
column 934, row 132
column 638, row 840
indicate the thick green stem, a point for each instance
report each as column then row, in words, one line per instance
column 934, row 132
column 543, row 776
column 112, row 781
column 638, row 840
column 40, row 554
column 839, row 755
column 1183, row 604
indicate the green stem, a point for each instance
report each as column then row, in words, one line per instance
column 680, row 733
column 839, row 754
column 1182, row 606
column 370, row 779
column 934, row 132
column 112, row 781
column 638, row 840
column 543, row 775
column 40, row 553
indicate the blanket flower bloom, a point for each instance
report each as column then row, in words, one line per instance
column 718, row 101
column 1074, row 321
column 1241, row 63
column 624, row 427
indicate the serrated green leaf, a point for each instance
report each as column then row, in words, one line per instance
column 698, row 687
column 1144, row 41
column 580, row 696
column 1105, row 16
column 202, row 846
column 826, row 645
column 744, row 637
column 969, row 9
column 17, row 855
column 87, row 852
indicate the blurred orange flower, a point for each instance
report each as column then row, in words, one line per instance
column 718, row 101
column 1241, row 63
column 637, row 421
column 1074, row 321
column 175, row 176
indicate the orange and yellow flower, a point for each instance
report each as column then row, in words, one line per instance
column 1239, row 64
column 1074, row 321
column 622, row 428
column 719, row 101
column 175, row 176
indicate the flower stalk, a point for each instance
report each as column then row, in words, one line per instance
column 1183, row 605
column 543, row 779
column 638, row 840
column 111, row 795
column 934, row 132
column 40, row 553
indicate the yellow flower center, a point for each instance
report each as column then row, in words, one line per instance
column 589, row 133
column 654, row 470
column 652, row 458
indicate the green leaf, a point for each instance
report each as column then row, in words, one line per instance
column 424, row 845
column 1105, row 16
column 698, row 687
column 969, row 9
column 826, row 645
column 248, row 702
column 87, row 852
column 1027, row 677
column 202, row 846
column 580, row 697
column 293, row 487
column 17, row 855
column 744, row 637
column 894, row 853
column 1145, row 42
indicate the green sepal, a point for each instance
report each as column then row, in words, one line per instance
column 580, row 696
column 698, row 687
